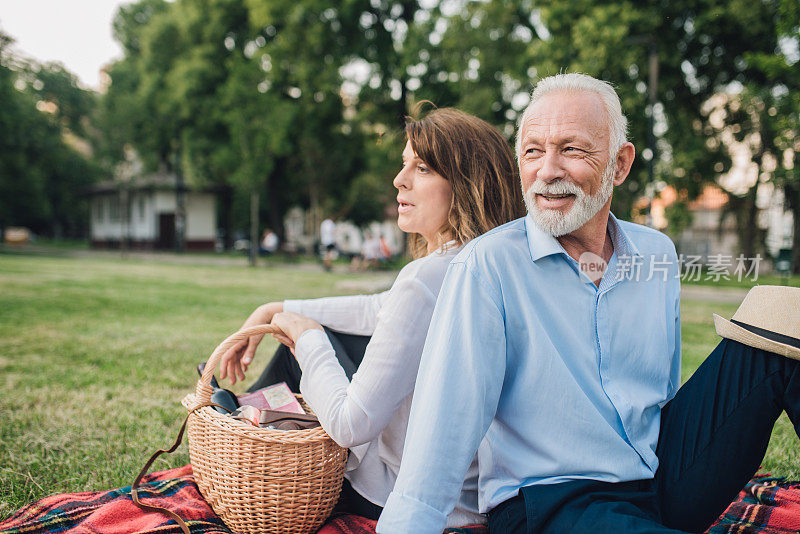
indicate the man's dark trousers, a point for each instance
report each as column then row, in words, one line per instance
column 713, row 437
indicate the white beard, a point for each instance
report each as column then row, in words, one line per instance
column 584, row 207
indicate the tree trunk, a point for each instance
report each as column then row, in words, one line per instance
column 750, row 236
column 180, row 204
column 227, row 218
column 745, row 211
column 750, row 231
column 275, row 215
column 275, row 203
column 125, row 217
column 254, row 241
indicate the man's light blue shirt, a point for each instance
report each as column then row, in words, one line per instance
column 550, row 377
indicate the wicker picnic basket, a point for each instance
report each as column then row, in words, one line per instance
column 260, row 480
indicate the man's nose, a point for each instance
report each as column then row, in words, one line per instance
column 551, row 169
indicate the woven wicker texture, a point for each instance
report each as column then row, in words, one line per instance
column 260, row 480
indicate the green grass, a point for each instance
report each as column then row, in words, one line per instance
column 734, row 281
column 96, row 354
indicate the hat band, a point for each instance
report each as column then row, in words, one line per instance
column 770, row 335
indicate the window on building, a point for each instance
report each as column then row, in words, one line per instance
column 99, row 204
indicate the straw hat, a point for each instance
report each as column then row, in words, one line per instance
column 768, row 318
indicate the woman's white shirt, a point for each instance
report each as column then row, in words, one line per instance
column 369, row 414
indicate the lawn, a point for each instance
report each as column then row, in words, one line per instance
column 97, row 352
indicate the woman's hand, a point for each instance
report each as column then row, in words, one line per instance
column 234, row 362
column 292, row 326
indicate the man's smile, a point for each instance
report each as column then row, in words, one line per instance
column 551, row 201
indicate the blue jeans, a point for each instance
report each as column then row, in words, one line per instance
column 713, row 437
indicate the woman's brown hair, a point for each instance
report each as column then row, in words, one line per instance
column 478, row 162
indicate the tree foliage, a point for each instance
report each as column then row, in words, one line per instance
column 238, row 93
column 766, row 113
column 304, row 101
column 42, row 120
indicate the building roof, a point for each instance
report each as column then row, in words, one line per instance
column 712, row 198
column 157, row 181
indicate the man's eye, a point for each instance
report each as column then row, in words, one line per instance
column 422, row 168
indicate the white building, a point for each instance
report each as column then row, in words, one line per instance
column 774, row 216
column 143, row 211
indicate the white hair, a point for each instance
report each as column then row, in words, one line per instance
column 574, row 82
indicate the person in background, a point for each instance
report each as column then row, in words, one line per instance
column 371, row 250
column 327, row 238
column 386, row 251
column 348, row 240
column 269, row 242
column 355, row 357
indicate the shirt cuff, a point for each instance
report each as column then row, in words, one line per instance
column 405, row 514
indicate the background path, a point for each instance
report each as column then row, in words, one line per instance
column 726, row 295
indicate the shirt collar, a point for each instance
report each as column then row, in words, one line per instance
column 542, row 244
column 451, row 247
column 623, row 245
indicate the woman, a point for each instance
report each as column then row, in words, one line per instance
column 458, row 181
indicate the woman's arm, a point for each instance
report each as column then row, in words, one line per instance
column 355, row 314
column 236, row 359
column 351, row 314
column 356, row 413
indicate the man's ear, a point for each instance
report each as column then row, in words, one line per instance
column 625, row 157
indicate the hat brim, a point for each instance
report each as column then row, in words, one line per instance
column 729, row 330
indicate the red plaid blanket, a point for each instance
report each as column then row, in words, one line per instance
column 113, row 512
column 769, row 505
column 766, row 505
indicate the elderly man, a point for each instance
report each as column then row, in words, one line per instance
column 554, row 352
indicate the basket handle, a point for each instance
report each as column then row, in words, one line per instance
column 204, row 388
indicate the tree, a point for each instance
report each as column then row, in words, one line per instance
column 761, row 115
column 22, row 180
column 304, row 100
column 775, row 97
column 666, row 59
column 234, row 93
column 42, row 175
column 161, row 99
column 697, row 47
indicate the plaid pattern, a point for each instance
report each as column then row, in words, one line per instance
column 113, row 512
column 348, row 524
column 765, row 505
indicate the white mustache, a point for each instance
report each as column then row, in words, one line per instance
column 559, row 187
